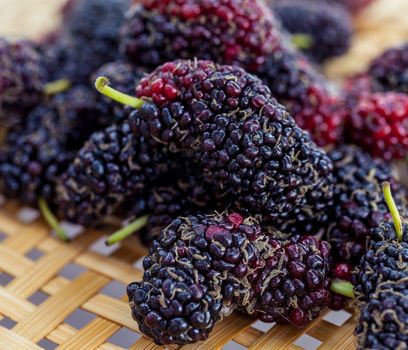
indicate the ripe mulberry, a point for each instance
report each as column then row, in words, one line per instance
column 36, row 156
column 321, row 31
column 22, row 79
column 202, row 267
column 358, row 201
column 389, row 71
column 113, row 165
column 383, row 320
column 240, row 137
column 228, row 32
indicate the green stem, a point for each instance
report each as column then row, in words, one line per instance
column 120, row 235
column 52, row 220
column 393, row 210
column 302, row 41
column 56, row 87
column 343, row 288
column 102, row 85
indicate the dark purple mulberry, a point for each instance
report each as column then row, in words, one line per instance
column 22, row 79
column 383, row 320
column 240, row 137
column 239, row 32
column 35, row 157
column 114, row 165
column 389, row 71
column 358, row 200
column 386, row 260
column 321, row 31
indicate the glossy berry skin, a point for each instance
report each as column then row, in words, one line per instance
column 306, row 95
column 328, row 27
column 227, row 32
column 386, row 260
column 242, row 140
column 112, row 166
column 379, row 124
column 389, row 71
column 226, row 258
column 35, row 157
column 359, row 204
column 124, row 77
column 383, row 320
column 22, row 78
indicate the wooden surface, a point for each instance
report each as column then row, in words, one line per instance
column 24, row 325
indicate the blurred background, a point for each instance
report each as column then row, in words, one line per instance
column 383, row 24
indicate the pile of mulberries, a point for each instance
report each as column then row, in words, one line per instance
column 203, row 267
column 22, row 79
column 359, row 205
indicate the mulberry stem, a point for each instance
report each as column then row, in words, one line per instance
column 56, row 87
column 120, row 235
column 343, row 288
column 302, row 41
column 393, row 210
column 102, row 85
column 52, row 220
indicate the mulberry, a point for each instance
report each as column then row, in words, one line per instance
column 359, row 205
column 320, row 30
column 386, row 259
column 389, row 71
column 228, row 32
column 113, row 165
column 22, row 79
column 241, row 138
column 202, row 267
column 36, row 156
column 383, row 320
column 378, row 123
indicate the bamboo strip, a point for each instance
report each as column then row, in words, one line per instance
column 12, row 341
column 47, row 267
column 91, row 336
column 114, row 310
column 12, row 262
column 55, row 309
column 109, row 267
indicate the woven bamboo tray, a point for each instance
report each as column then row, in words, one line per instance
column 71, row 296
